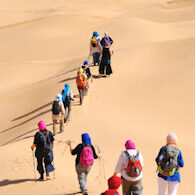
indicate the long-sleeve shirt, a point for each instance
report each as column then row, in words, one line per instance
column 123, row 162
column 176, row 176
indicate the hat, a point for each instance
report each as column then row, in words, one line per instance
column 129, row 145
column 85, row 62
column 42, row 125
column 114, row 182
column 86, row 140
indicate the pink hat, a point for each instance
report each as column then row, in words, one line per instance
column 129, row 145
column 42, row 125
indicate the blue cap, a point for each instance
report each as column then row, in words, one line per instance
column 85, row 62
column 86, row 140
column 66, row 85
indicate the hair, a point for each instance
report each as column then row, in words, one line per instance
column 172, row 138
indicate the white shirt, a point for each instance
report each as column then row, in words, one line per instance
column 123, row 162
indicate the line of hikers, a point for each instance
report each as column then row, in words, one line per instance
column 129, row 165
column 100, row 49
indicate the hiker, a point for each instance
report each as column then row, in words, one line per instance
column 106, row 40
column 87, row 71
column 130, row 165
column 105, row 62
column 58, row 113
column 85, row 157
column 114, row 183
column 43, row 141
column 81, row 82
column 67, row 97
column 169, row 160
column 95, row 48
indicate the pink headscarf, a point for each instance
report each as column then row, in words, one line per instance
column 129, row 145
column 42, row 125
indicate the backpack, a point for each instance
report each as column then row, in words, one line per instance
column 56, row 108
column 167, row 164
column 47, row 145
column 134, row 167
column 86, row 157
column 81, row 80
column 106, row 41
column 94, row 42
column 67, row 99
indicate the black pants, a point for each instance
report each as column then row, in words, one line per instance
column 104, row 65
column 40, row 158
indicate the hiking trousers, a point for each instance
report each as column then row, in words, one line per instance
column 132, row 187
column 96, row 58
column 104, row 65
column 163, row 184
column 40, row 158
column 82, row 173
column 67, row 111
column 55, row 126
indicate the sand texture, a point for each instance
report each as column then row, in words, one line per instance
column 151, row 93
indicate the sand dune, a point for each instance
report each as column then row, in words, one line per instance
column 150, row 93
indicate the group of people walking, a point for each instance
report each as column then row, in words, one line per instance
column 100, row 49
column 130, row 163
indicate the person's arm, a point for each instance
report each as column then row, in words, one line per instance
column 111, row 41
column 94, row 153
column 71, row 96
column 75, row 151
column 89, row 73
column 157, row 158
column 180, row 160
column 35, row 141
column 119, row 165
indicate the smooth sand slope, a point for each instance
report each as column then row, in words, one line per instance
column 150, row 93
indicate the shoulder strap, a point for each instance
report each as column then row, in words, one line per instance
column 132, row 157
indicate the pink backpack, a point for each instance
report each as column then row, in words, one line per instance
column 86, row 157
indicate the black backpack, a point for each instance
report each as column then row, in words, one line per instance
column 56, row 108
column 47, row 145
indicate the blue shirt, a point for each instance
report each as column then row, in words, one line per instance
column 176, row 176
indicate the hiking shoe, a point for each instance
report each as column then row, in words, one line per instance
column 48, row 178
column 41, row 178
column 85, row 193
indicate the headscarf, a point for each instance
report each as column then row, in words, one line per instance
column 114, row 182
column 86, row 140
column 85, row 62
column 66, row 89
column 129, row 145
column 59, row 97
column 42, row 125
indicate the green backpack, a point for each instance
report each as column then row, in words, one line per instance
column 168, row 164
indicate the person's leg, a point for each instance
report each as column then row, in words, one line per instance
column 54, row 126
column 136, row 188
column 62, row 125
column 40, row 165
column 81, row 174
column 94, row 58
column 69, row 111
column 48, row 158
column 172, row 188
column 162, row 186
column 126, row 186
column 108, row 69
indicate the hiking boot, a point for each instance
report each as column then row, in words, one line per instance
column 48, row 177
column 85, row 193
column 41, row 178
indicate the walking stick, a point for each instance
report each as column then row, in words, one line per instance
column 34, row 166
column 54, row 175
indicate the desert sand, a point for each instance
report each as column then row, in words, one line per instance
column 151, row 93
